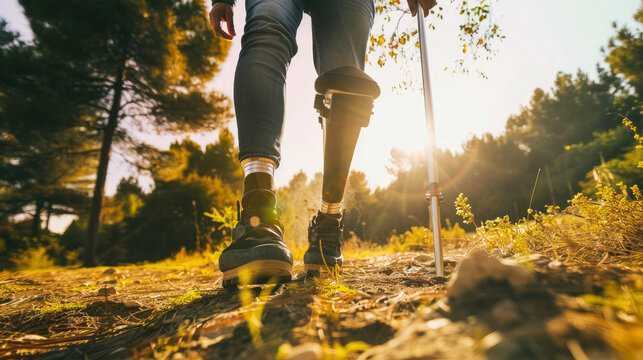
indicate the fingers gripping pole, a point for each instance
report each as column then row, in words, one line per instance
column 433, row 194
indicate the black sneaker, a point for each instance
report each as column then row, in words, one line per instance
column 258, row 253
column 325, row 235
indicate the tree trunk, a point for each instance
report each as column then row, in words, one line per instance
column 49, row 206
column 101, row 174
column 36, row 222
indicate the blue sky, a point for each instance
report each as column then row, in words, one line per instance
column 542, row 38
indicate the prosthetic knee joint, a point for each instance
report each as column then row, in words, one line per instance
column 344, row 102
column 345, row 95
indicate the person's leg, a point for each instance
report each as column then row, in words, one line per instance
column 341, row 29
column 267, row 46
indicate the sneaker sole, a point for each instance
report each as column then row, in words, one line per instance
column 259, row 272
column 315, row 267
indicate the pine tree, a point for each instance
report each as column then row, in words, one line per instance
column 149, row 60
column 46, row 148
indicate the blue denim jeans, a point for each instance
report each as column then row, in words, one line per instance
column 341, row 30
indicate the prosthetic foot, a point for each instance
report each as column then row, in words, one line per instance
column 344, row 102
column 325, row 235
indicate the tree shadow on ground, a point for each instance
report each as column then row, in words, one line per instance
column 214, row 325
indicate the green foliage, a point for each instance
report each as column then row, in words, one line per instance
column 218, row 159
column 330, row 287
column 418, row 238
column 410, row 240
column 227, row 217
column 146, row 63
column 33, row 259
column 621, row 298
column 639, row 139
column 576, row 108
column 83, row 288
column 626, row 54
column 52, row 308
column 168, row 221
column 46, row 150
column 185, row 299
column 628, row 123
column 395, row 35
column 501, row 234
column 463, row 209
column 170, row 277
column 172, row 216
column 299, row 201
column 185, row 261
column 8, row 289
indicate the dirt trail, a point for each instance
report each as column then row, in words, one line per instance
column 391, row 307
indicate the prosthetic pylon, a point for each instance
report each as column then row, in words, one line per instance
column 433, row 194
column 344, row 102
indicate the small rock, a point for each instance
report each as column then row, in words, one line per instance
column 555, row 264
column 110, row 271
column 479, row 266
column 412, row 269
column 136, row 282
column 107, row 291
column 113, row 281
column 308, row 351
column 131, row 304
column 422, row 258
column 506, row 313
column 387, row 272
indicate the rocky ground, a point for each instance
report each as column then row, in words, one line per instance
column 387, row 307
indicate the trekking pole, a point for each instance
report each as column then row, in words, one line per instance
column 433, row 194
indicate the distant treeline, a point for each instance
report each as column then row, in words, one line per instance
column 55, row 111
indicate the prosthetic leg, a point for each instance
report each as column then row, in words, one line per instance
column 345, row 103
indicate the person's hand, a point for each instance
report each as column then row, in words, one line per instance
column 222, row 12
column 426, row 6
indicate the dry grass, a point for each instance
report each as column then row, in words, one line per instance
column 608, row 229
